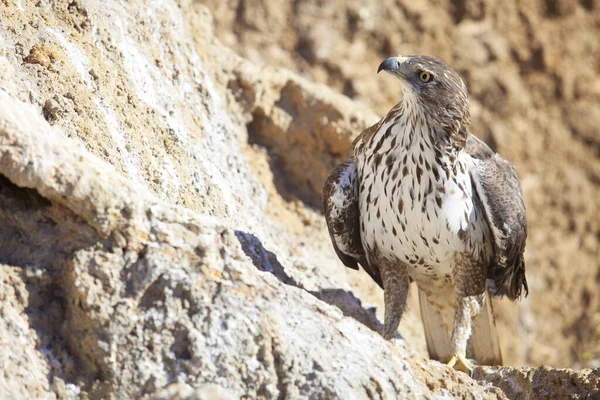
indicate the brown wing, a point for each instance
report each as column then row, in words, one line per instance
column 340, row 206
column 358, row 144
column 497, row 185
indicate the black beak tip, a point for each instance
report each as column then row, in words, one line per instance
column 389, row 64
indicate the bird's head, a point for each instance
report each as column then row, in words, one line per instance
column 432, row 86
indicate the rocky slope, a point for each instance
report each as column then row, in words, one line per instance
column 159, row 235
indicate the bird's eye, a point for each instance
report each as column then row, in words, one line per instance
column 424, row 76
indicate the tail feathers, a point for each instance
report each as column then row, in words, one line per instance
column 437, row 331
column 483, row 345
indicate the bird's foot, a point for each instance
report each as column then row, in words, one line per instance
column 460, row 363
column 388, row 332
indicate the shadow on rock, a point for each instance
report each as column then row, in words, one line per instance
column 263, row 259
column 349, row 304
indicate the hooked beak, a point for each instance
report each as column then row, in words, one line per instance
column 392, row 65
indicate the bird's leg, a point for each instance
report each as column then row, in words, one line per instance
column 470, row 294
column 395, row 290
column 466, row 309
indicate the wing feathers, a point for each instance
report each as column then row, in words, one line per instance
column 340, row 206
column 498, row 188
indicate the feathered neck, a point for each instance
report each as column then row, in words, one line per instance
column 444, row 130
column 447, row 127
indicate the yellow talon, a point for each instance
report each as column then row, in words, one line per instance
column 460, row 363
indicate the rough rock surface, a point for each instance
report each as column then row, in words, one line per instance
column 158, row 229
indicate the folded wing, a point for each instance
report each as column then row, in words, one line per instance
column 499, row 190
column 340, row 206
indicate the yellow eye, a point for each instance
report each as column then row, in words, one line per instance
column 424, row 76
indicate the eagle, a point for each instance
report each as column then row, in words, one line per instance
column 421, row 199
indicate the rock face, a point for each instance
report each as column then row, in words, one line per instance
column 158, row 229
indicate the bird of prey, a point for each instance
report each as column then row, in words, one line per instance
column 422, row 199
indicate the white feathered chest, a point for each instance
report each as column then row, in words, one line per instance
column 416, row 203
